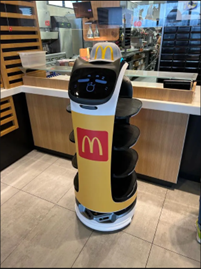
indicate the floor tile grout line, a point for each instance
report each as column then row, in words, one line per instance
column 156, row 228
column 64, row 194
column 82, row 249
column 181, row 204
column 149, row 255
column 177, row 253
column 31, row 180
column 27, row 235
column 36, row 195
column 137, row 237
column 47, row 200
column 9, row 198
column 39, row 173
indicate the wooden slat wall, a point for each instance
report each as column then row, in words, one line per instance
column 8, row 115
column 1, row 81
column 14, row 41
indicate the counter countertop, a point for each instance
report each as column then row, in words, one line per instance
column 135, row 51
column 193, row 108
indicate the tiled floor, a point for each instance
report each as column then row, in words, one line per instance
column 39, row 227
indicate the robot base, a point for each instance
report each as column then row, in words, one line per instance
column 119, row 224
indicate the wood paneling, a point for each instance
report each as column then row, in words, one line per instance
column 107, row 33
column 14, row 53
column 8, row 116
column 18, row 37
column 20, row 28
column 10, row 62
column 16, row 15
column 1, row 81
column 171, row 95
column 19, row 3
column 50, row 122
column 160, row 145
column 45, row 82
column 20, row 45
column 164, row 94
column 10, row 49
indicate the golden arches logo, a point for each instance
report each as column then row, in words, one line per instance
column 91, row 144
column 103, row 52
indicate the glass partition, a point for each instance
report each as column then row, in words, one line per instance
column 129, row 73
column 153, row 36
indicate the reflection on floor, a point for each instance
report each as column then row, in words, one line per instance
column 39, row 227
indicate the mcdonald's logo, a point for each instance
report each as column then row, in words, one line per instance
column 103, row 52
column 93, row 145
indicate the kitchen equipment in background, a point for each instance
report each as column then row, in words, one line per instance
column 96, row 32
column 64, row 41
column 90, row 33
column 51, row 59
column 44, row 23
column 137, row 42
column 76, row 26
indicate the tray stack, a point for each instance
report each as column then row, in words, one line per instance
column 124, row 158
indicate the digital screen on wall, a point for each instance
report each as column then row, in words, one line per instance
column 109, row 15
column 83, row 10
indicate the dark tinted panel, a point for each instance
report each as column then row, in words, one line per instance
column 165, row 68
column 183, row 29
column 178, row 63
column 166, row 63
column 181, row 50
column 196, row 36
column 181, row 43
column 169, row 36
column 168, row 50
column 166, row 57
column 196, row 29
column 195, row 42
column 192, row 63
column 168, row 43
column 191, row 70
column 192, row 57
column 177, row 69
column 170, row 29
column 195, row 50
column 182, row 36
column 179, row 56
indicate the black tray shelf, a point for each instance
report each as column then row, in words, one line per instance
column 72, row 137
column 124, row 189
column 74, row 161
column 127, row 107
column 125, row 136
column 123, row 163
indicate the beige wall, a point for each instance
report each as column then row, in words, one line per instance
column 59, row 11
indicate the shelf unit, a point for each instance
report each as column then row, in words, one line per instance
column 18, row 33
column 181, row 50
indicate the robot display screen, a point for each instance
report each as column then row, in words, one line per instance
column 92, row 83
